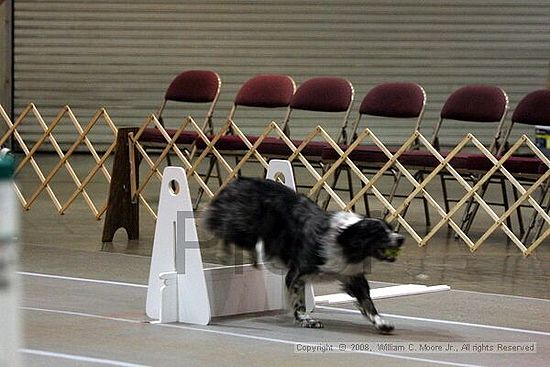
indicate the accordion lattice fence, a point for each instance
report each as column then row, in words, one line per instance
column 192, row 159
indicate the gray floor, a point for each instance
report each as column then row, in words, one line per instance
column 106, row 321
column 498, row 296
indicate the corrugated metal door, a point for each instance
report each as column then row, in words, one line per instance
column 122, row 54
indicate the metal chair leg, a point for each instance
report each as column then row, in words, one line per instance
column 393, row 190
column 444, row 191
column 533, row 222
column 418, row 177
column 541, row 221
column 518, row 212
column 425, row 204
column 505, row 202
column 469, row 218
column 469, row 205
column 332, row 186
column 350, row 186
column 366, row 201
column 208, row 174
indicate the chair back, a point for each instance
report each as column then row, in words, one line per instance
column 194, row 86
column 532, row 109
column 324, row 94
column 393, row 100
column 475, row 103
column 265, row 91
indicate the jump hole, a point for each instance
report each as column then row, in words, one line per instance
column 279, row 177
column 174, row 187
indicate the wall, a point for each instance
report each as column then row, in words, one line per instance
column 5, row 58
column 122, row 54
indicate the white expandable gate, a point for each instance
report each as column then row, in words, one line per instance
column 181, row 289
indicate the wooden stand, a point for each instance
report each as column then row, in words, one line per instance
column 122, row 212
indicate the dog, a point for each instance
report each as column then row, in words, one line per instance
column 309, row 241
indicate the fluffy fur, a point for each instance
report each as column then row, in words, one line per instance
column 307, row 240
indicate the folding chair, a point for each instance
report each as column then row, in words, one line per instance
column 192, row 86
column 388, row 100
column 324, row 95
column 261, row 91
column 320, row 94
column 472, row 103
column 533, row 109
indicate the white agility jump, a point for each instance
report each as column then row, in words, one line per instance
column 181, row 289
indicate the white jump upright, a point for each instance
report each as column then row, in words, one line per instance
column 177, row 288
column 181, row 289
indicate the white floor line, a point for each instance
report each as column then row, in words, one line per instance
column 72, row 313
column 438, row 321
column 246, row 336
column 503, row 295
column 87, row 280
column 73, row 357
column 53, row 276
column 291, row 342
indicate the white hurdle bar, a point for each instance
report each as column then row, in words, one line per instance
column 385, row 292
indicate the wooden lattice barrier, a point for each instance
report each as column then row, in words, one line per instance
column 470, row 191
column 32, row 115
column 192, row 158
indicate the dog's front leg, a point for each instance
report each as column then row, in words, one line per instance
column 357, row 286
column 296, row 296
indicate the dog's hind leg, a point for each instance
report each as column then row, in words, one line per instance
column 357, row 286
column 295, row 284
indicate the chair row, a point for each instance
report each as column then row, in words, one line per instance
column 473, row 103
column 321, row 94
column 484, row 104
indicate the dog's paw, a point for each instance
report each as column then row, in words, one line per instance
column 382, row 325
column 310, row 323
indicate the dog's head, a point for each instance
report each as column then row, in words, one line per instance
column 370, row 237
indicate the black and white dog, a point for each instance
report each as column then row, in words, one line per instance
column 309, row 241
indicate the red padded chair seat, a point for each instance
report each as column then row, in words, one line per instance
column 269, row 145
column 361, row 154
column 234, row 143
column 153, row 135
column 313, row 148
column 423, row 158
column 514, row 164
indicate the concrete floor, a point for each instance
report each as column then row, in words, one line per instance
column 497, row 296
